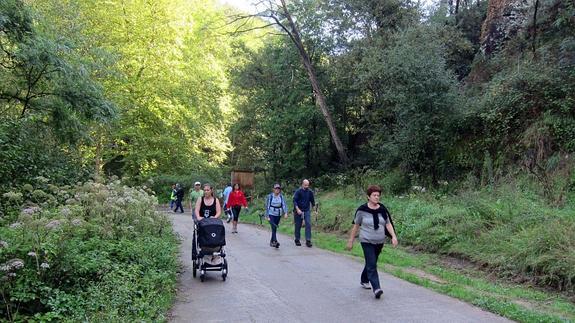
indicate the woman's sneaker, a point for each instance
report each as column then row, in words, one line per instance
column 366, row 285
column 277, row 244
column 378, row 293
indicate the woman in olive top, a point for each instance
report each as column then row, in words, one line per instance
column 207, row 206
column 371, row 235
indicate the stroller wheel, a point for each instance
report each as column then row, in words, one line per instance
column 202, row 275
column 224, row 277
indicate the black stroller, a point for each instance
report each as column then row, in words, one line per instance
column 208, row 243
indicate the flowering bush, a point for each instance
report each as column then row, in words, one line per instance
column 89, row 252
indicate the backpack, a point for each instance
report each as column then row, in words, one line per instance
column 271, row 196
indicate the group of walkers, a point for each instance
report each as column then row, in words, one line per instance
column 372, row 220
column 204, row 203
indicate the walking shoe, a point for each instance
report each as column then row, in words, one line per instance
column 366, row 285
column 272, row 244
column 308, row 243
column 277, row 244
column 297, row 243
column 378, row 293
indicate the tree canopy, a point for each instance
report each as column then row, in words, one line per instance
column 140, row 89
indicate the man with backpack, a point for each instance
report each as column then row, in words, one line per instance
column 275, row 206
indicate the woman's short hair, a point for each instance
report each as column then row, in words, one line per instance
column 373, row 188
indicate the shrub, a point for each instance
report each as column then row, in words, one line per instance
column 90, row 252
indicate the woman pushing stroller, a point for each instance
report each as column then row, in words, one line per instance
column 275, row 206
column 208, row 206
column 208, row 239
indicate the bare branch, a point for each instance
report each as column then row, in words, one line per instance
column 254, row 28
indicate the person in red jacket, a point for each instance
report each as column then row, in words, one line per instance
column 236, row 200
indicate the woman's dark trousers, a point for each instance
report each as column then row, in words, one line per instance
column 274, row 222
column 369, row 274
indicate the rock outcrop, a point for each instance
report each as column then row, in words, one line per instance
column 505, row 19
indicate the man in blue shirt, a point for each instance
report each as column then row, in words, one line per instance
column 226, row 194
column 303, row 201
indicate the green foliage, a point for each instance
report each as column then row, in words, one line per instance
column 518, row 98
column 88, row 252
column 43, row 79
column 176, row 109
column 29, row 150
column 421, row 95
column 279, row 128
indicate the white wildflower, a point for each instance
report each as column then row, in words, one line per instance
column 71, row 201
column 31, row 210
column 76, row 222
column 42, row 179
column 32, row 254
column 15, row 225
column 44, row 265
column 15, row 263
column 65, row 211
column 3, row 244
column 418, row 189
column 54, row 224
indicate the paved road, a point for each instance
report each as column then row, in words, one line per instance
column 300, row 284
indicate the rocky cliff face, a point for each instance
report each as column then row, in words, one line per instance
column 505, row 18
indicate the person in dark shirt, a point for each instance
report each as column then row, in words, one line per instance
column 303, row 201
column 179, row 198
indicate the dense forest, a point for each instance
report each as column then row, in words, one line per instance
column 436, row 94
column 430, row 94
column 460, row 98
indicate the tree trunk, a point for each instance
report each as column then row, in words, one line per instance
column 98, row 158
column 319, row 98
column 534, row 43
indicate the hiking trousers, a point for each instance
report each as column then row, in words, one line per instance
column 298, row 223
column 369, row 274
